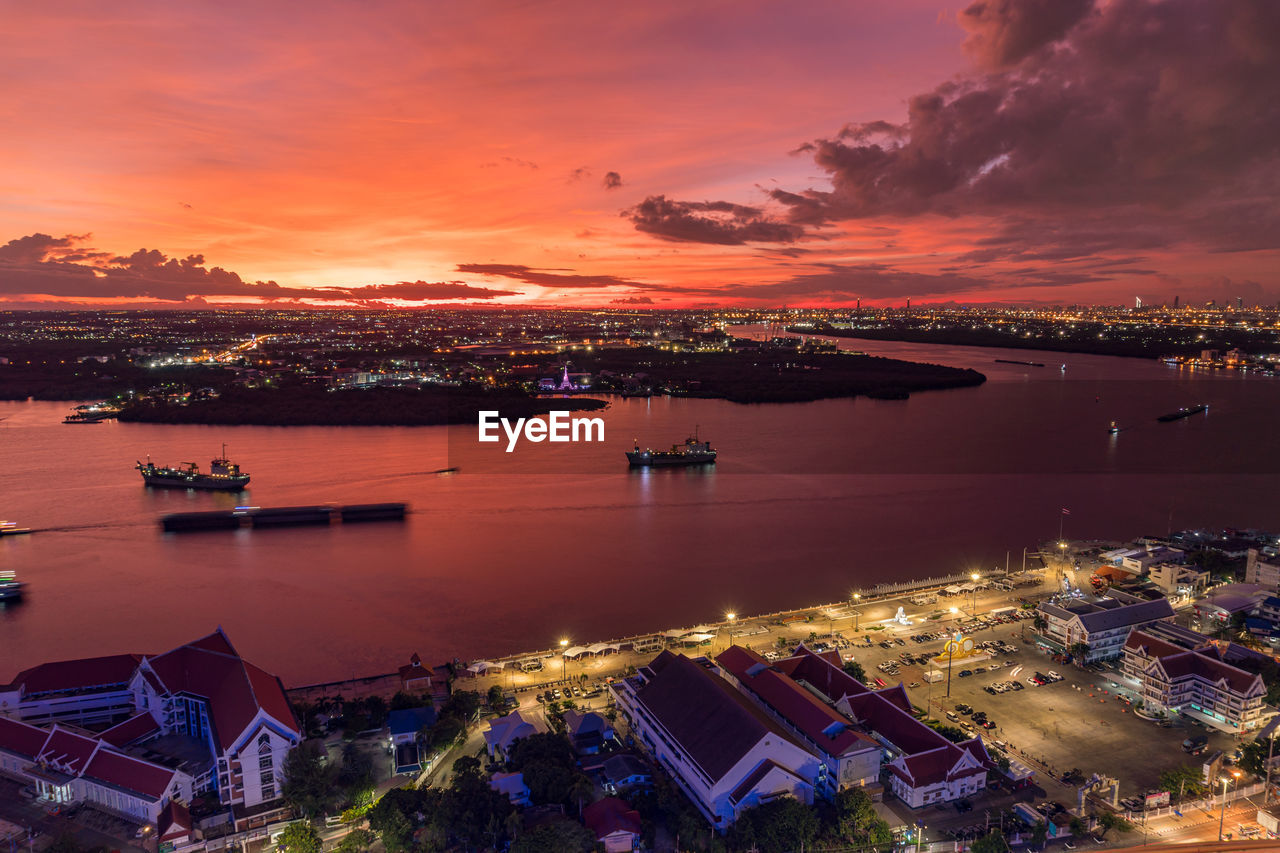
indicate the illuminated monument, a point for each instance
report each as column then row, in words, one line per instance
column 960, row 648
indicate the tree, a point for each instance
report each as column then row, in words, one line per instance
column 1185, row 781
column 1040, row 622
column 581, row 790
column 1112, row 820
column 308, row 780
column 851, row 820
column 1254, row 756
column 778, row 826
column 446, row 731
column 466, row 764
column 992, row 842
column 495, row 699
column 562, row 836
column 1079, row 650
column 855, row 670
column 1077, row 826
column 299, row 837
column 402, row 700
column 1039, row 833
column 356, row 841
column 355, row 776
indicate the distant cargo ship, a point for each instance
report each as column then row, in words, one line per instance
column 692, row 452
column 1184, row 412
column 223, row 475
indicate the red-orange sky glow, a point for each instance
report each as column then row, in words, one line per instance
column 658, row 153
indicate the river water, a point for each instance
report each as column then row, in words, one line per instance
column 518, row 550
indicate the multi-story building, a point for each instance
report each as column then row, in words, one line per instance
column 1180, row 671
column 1264, row 574
column 1101, row 624
column 721, row 749
column 201, row 694
column 783, row 691
column 846, row 723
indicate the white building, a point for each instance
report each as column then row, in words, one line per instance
column 1102, row 624
column 1262, row 573
column 202, row 691
column 721, row 749
column 1180, row 672
column 67, row 767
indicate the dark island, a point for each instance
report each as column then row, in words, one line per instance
column 306, row 406
column 1138, row 340
column 768, row 374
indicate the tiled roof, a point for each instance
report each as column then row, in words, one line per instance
column 210, row 669
column 83, row 674
column 1130, row 614
column 1144, row 643
column 714, row 723
column 610, row 815
column 405, row 721
column 826, row 727
column 175, row 821
column 68, row 750
column 1189, row 663
column 132, row 729
column 130, row 774
column 21, row 739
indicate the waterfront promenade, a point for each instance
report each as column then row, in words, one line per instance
column 573, row 660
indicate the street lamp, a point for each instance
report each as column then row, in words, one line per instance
column 857, row 596
column 563, row 660
column 1222, row 812
column 730, row 616
column 975, row 577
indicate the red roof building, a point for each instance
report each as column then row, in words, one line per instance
column 835, row 714
column 616, row 825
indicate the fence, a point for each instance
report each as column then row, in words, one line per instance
column 1208, row 804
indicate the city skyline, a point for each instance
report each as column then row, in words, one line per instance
column 659, row 156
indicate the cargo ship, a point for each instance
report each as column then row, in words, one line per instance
column 223, row 475
column 1184, row 412
column 692, row 452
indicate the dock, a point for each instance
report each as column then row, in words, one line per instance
column 282, row 516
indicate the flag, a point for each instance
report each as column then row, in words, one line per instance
column 1066, row 511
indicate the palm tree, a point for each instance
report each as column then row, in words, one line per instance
column 581, row 789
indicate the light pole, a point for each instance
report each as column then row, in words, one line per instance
column 951, row 652
column 1222, row 813
column 730, row 616
column 564, row 662
column 975, row 577
column 857, row 596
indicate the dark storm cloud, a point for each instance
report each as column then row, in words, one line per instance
column 1002, row 32
column 718, row 222
column 546, row 278
column 632, row 300
column 40, row 265
column 1131, row 117
column 612, row 180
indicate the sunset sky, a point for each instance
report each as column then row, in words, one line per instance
column 412, row 152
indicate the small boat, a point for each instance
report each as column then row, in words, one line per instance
column 1114, row 428
column 11, row 528
column 10, row 586
column 1064, row 368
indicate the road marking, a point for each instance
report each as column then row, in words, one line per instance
column 1016, row 670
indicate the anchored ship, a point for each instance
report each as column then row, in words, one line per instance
column 223, row 475
column 1184, row 412
column 692, row 452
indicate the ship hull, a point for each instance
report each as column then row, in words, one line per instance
column 653, row 460
column 214, row 484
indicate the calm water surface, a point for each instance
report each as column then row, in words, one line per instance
column 515, row 551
